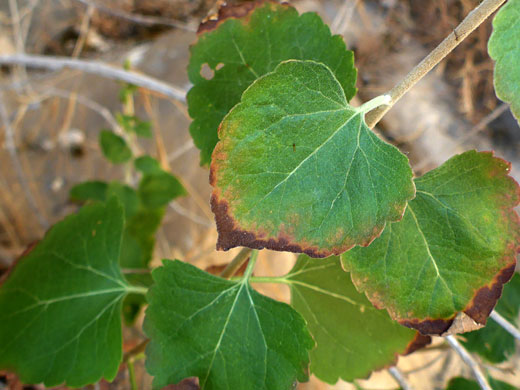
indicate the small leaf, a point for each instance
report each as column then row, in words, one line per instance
column 114, row 147
column 453, row 250
column 61, row 304
column 352, row 337
column 126, row 195
column 133, row 124
column 147, row 164
column 297, row 169
column 246, row 42
column 460, row 383
column 493, row 342
column 504, row 48
column 223, row 332
column 159, row 188
column 89, row 190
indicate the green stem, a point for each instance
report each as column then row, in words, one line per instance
column 474, row 19
column 269, row 279
column 236, row 263
column 137, row 290
column 131, row 374
column 382, row 100
column 251, row 265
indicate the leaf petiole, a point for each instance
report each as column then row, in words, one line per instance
column 137, row 290
column 269, row 279
column 250, row 265
column 378, row 101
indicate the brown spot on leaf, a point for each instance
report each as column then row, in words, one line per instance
column 428, row 326
column 231, row 236
column 462, row 324
column 486, row 297
column 231, row 11
column 419, row 341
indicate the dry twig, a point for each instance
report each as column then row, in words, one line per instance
column 97, row 68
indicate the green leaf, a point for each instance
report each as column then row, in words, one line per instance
column 493, row 342
column 223, row 332
column 352, row 337
column 157, row 189
column 453, row 250
column 143, row 215
column 89, row 190
column 133, row 124
column 114, row 147
column 126, row 195
column 297, row 168
column 251, row 43
column 460, row 383
column 61, row 304
column 504, row 48
column 147, row 164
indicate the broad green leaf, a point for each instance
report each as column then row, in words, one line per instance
column 460, row 383
column 223, row 332
column 89, row 190
column 141, row 225
column 157, row 189
column 248, row 41
column 61, row 304
column 147, row 164
column 504, row 48
column 352, row 337
column 297, row 168
column 493, row 342
column 114, row 147
column 453, row 250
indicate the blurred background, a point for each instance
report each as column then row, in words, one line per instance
column 50, row 121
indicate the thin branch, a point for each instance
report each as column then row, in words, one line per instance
column 474, row 19
column 506, row 324
column 11, row 148
column 399, row 378
column 140, row 19
column 175, row 206
column 236, row 263
column 87, row 102
column 468, row 359
column 83, row 32
column 136, row 351
column 97, row 68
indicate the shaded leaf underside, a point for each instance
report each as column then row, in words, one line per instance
column 297, row 169
column 453, row 250
column 352, row 337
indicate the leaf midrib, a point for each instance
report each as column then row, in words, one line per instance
column 289, row 175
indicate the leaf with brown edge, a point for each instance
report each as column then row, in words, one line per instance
column 352, row 337
column 246, row 41
column 453, row 250
column 297, row 169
